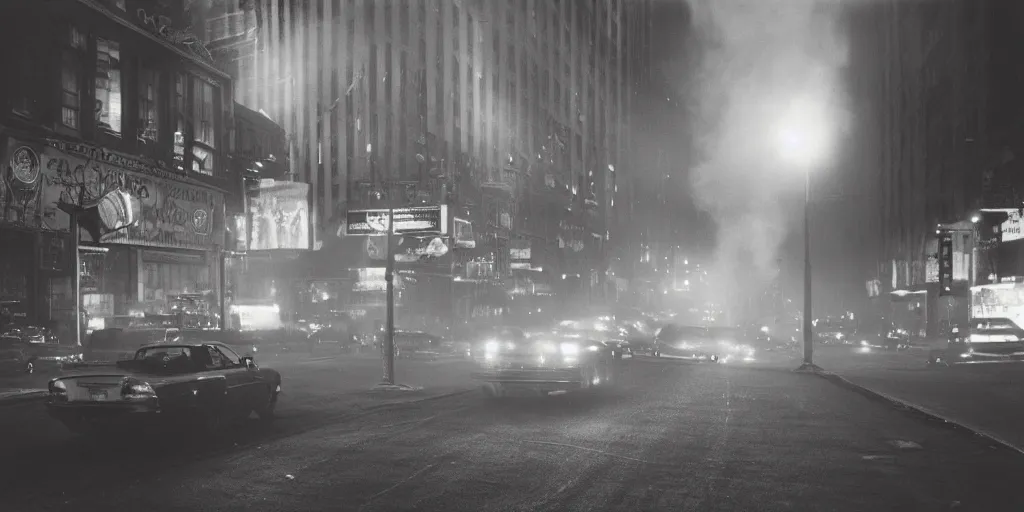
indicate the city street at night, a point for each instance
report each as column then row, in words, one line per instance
column 674, row 436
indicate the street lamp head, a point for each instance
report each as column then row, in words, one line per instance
column 801, row 134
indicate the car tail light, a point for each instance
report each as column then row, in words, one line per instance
column 136, row 390
column 58, row 390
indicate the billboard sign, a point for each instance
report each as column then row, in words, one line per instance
column 279, row 216
column 422, row 220
column 147, row 206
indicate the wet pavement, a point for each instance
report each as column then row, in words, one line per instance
column 674, row 436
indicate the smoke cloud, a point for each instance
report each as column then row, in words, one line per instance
column 753, row 64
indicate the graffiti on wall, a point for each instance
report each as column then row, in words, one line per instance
column 171, row 213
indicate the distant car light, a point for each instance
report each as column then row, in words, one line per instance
column 491, row 347
column 570, row 349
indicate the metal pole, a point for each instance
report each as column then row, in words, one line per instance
column 389, row 277
column 76, row 274
column 808, row 339
column 223, row 289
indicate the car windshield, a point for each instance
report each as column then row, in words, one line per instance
column 165, row 359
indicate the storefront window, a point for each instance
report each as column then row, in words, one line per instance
column 164, row 280
column 108, row 86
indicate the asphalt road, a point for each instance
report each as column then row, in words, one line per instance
column 674, row 436
column 984, row 397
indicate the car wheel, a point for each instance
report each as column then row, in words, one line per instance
column 266, row 411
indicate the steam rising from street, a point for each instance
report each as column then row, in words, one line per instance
column 761, row 63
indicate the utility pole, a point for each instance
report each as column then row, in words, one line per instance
column 389, row 277
column 808, row 364
column 76, row 273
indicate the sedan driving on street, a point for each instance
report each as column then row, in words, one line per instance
column 692, row 343
column 206, row 385
column 543, row 363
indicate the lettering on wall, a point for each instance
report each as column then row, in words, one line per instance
column 170, row 213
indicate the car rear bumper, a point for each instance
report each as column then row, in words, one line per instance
column 87, row 416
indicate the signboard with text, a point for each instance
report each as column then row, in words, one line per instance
column 166, row 212
column 424, row 220
column 945, row 262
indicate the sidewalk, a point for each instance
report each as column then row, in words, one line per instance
column 984, row 398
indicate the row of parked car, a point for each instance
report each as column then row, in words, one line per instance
column 25, row 349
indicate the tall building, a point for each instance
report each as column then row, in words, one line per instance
column 118, row 113
column 511, row 114
column 943, row 102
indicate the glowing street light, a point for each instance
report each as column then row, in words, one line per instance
column 802, row 137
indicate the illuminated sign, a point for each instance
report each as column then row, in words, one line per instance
column 280, row 215
column 426, row 220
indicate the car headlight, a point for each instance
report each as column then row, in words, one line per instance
column 491, row 347
column 570, row 349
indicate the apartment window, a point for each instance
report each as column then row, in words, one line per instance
column 71, row 79
column 179, row 105
column 108, row 86
column 149, row 91
column 204, row 127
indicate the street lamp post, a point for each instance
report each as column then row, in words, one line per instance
column 803, row 143
column 808, row 339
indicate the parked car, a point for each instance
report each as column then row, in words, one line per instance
column 13, row 356
column 246, row 343
column 419, row 345
column 28, row 351
column 116, row 343
column 206, row 385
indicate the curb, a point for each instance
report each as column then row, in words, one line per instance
column 916, row 409
column 20, row 398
